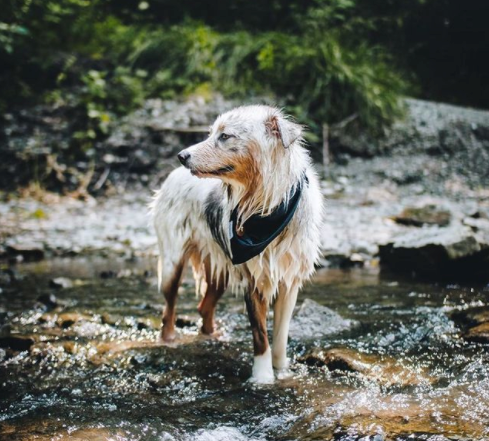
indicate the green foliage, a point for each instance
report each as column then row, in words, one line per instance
column 8, row 35
column 319, row 73
column 325, row 59
column 103, row 97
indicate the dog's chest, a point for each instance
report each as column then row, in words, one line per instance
column 242, row 242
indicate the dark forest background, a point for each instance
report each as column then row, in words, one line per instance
column 323, row 59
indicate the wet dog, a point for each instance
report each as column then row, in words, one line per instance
column 245, row 210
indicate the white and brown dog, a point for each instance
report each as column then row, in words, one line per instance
column 253, row 224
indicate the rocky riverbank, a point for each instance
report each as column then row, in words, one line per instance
column 407, row 230
column 395, row 199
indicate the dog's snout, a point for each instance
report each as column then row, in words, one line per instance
column 183, row 156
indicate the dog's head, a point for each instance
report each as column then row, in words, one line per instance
column 241, row 142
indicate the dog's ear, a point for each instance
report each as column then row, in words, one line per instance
column 284, row 130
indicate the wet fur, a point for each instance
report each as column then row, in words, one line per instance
column 256, row 169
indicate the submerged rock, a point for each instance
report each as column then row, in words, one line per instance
column 184, row 322
column 382, row 369
column 314, row 320
column 471, row 316
column 49, row 301
column 426, row 215
column 479, row 333
column 16, row 342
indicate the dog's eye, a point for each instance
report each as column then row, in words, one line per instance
column 224, row 137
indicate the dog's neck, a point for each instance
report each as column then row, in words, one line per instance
column 270, row 185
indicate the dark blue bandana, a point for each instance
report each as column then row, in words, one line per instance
column 259, row 231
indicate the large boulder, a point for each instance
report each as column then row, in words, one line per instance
column 458, row 134
column 427, row 127
column 454, row 251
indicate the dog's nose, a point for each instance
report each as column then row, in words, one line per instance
column 183, row 156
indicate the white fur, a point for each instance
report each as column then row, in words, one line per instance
column 280, row 270
column 262, row 372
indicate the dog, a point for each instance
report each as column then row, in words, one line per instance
column 246, row 211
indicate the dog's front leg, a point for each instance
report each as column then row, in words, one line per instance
column 257, row 307
column 282, row 314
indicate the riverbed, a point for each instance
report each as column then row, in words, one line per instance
column 80, row 359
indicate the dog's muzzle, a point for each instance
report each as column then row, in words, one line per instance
column 183, row 157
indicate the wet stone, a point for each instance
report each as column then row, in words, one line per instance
column 426, row 215
column 471, row 316
column 61, row 282
column 66, row 319
column 108, row 274
column 111, row 319
column 382, row 369
column 48, row 300
column 185, row 322
column 478, row 334
column 16, row 342
column 28, row 252
column 438, row 251
column 314, row 320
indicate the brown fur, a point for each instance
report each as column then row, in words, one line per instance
column 214, row 290
column 170, row 291
column 257, row 307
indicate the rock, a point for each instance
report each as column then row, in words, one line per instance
column 67, row 319
column 111, row 319
column 384, row 370
column 471, row 316
column 150, row 323
column 479, row 334
column 428, row 127
column 28, row 252
column 61, row 282
column 481, row 213
column 16, row 342
column 426, row 215
column 6, row 278
column 185, row 322
column 48, row 300
column 480, row 227
column 108, row 274
column 434, row 251
column 314, row 320
column 477, row 223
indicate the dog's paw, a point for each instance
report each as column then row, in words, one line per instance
column 167, row 338
column 215, row 334
column 281, row 363
column 262, row 372
column 283, row 374
column 262, row 379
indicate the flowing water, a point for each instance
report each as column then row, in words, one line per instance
column 86, row 365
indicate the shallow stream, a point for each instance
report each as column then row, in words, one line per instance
column 86, row 365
